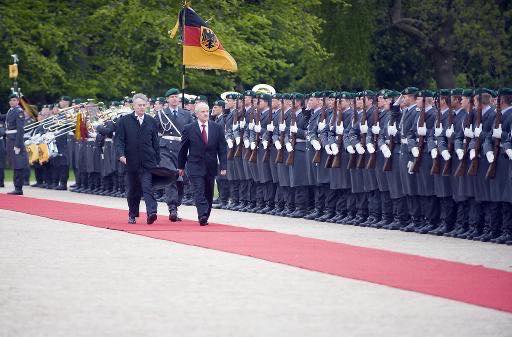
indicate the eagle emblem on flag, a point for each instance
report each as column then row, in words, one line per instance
column 209, row 41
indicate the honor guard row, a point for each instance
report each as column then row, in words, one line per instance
column 416, row 160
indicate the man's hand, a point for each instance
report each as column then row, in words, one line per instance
column 392, row 130
column 293, row 128
column 422, row 131
column 270, row 127
column 282, row 127
column 415, row 152
column 17, row 150
column 229, row 141
column 122, row 159
column 363, row 128
column 223, row 172
column 181, row 172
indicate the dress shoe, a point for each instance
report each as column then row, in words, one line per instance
column 151, row 218
column 16, row 192
column 203, row 221
column 173, row 215
column 61, row 188
column 506, row 236
column 35, row 185
column 313, row 215
column 73, row 186
column 2, row 184
column 131, row 220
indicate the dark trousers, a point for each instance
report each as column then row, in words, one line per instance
column 2, row 175
column 362, row 204
column 18, row 178
column 234, row 190
column 39, row 173
column 60, row 175
column 224, row 190
column 269, row 192
column 506, row 213
column 374, row 205
column 400, row 209
column 174, row 194
column 26, row 175
column 139, row 184
column 414, row 206
column 448, row 210
column 320, row 196
column 331, row 199
column 301, row 197
column 202, row 187
column 341, row 200
column 386, row 205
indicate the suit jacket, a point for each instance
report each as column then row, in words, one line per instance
column 138, row 143
column 203, row 159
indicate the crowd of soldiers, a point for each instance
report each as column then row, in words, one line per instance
column 416, row 160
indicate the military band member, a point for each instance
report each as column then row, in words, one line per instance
column 15, row 146
column 217, row 115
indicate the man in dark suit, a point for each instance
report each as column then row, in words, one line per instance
column 137, row 147
column 203, row 146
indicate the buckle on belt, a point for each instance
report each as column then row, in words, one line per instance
column 10, row 132
column 175, row 138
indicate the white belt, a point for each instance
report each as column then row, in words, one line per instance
column 108, row 140
column 300, row 140
column 91, row 139
column 172, row 138
column 10, row 132
column 403, row 140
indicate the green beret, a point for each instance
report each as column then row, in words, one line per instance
column 485, row 91
column 219, row 103
column 65, row 98
column 160, row 99
column 445, row 92
column 298, row 95
column 77, row 101
column 265, row 97
column 457, row 92
column 13, row 96
column 425, row 93
column 410, row 91
column 277, row 96
column 316, row 94
column 369, row 93
column 187, row 100
column 382, row 92
column 391, row 94
column 505, row 91
column 468, row 92
column 201, row 98
column 287, row 96
column 333, row 94
column 328, row 93
column 249, row 93
column 172, row 91
column 345, row 95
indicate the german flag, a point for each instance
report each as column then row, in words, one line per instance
column 201, row 47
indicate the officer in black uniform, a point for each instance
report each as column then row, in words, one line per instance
column 16, row 153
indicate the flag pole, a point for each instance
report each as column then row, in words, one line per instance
column 183, row 71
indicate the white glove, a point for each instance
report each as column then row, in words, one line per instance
column 321, row 126
column 385, row 151
column 17, row 150
column 490, row 156
column 472, row 154
column 360, row 148
column 278, row 145
column 468, row 132
column 392, row 130
column 328, row 149
column 438, row 131
column 251, row 125
column 496, row 133
column 415, row 152
column 339, row 129
column 509, row 153
column 28, row 142
column 289, row 147
column 246, row 143
column 265, row 144
column 282, row 127
column 253, row 145
column 350, row 149
column 293, row 128
column 242, row 123
column 446, row 155
column 370, row 148
column 363, row 128
column 433, row 153
column 478, row 131
column 237, row 140
column 450, row 131
column 257, row 128
column 316, row 144
column 270, row 127
column 235, row 126
column 409, row 167
column 335, row 150
column 460, row 153
column 422, row 131
column 376, row 129
column 230, row 143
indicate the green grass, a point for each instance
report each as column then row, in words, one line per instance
column 8, row 175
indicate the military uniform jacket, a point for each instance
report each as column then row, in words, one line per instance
column 393, row 176
column 261, row 172
column 2, row 142
column 406, row 124
column 340, row 177
column 15, row 122
column 442, row 184
column 501, row 182
column 312, row 134
column 298, row 171
column 223, row 122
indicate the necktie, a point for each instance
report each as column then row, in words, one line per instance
column 140, row 120
column 173, row 114
column 203, row 134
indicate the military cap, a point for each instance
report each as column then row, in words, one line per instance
column 160, row 99
column 286, row 96
column 201, row 98
column 13, row 96
column 457, row 92
column 382, row 92
column 298, row 95
column 425, row 93
column 410, row 91
column 65, row 98
column 172, row 91
column 249, row 93
column 505, row 91
column 369, row 93
column 345, row 95
column 445, row 92
column 277, row 96
column 316, row 94
column 233, row 95
column 266, row 97
column 188, row 101
column 485, row 91
column 333, row 94
column 219, row 103
column 391, row 94
column 468, row 92
column 327, row 93
column 77, row 101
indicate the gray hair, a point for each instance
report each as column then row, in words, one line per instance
column 140, row 96
column 201, row 105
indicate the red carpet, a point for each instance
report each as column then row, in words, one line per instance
column 457, row 281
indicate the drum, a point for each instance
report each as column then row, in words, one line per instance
column 44, row 154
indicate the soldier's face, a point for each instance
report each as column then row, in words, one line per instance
column 216, row 110
column 381, row 101
column 287, row 103
column 276, row 104
column 173, row 100
column 262, row 104
column 140, row 105
column 330, row 102
column 230, row 103
column 359, row 103
column 465, row 102
column 63, row 104
column 419, row 102
column 344, row 104
column 13, row 102
column 158, row 106
column 247, row 100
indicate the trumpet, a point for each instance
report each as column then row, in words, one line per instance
column 68, row 112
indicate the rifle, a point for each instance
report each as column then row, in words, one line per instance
column 334, row 117
column 491, row 171
column 239, row 116
column 421, row 143
column 266, row 154
column 373, row 156
column 251, row 120
column 293, row 141
column 282, row 135
column 468, row 121
column 336, row 162
column 388, row 163
column 232, row 151
column 362, row 136
column 436, row 162
column 473, row 167
column 447, row 168
column 318, row 154
column 254, row 153
column 353, row 156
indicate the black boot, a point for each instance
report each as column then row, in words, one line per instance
column 328, row 214
column 414, row 225
column 313, row 215
column 346, row 220
column 443, row 228
column 505, row 236
column 429, row 226
column 298, row 213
